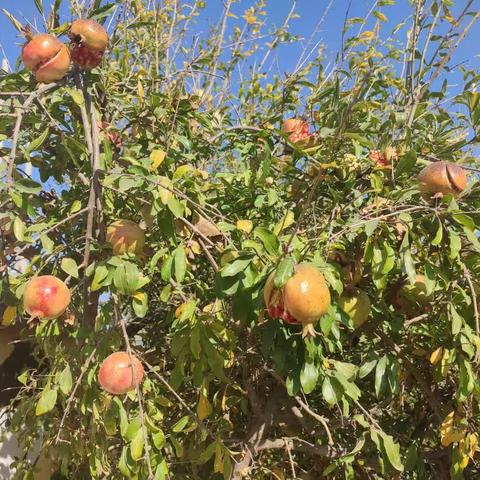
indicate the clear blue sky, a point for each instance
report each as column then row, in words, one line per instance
column 310, row 12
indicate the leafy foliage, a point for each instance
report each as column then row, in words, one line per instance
column 166, row 133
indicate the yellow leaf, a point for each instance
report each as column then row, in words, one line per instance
column 436, row 355
column 445, row 362
column 218, row 463
column 326, row 363
column 230, row 14
column 157, row 157
column 8, row 316
column 284, row 223
column 182, row 170
column 140, row 90
column 204, row 407
column 473, row 444
column 179, row 310
column 164, row 189
column 450, row 432
column 224, row 400
column 140, row 296
column 203, row 174
column 245, row 225
column 250, row 18
column 227, row 257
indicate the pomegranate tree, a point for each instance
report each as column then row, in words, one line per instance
column 442, row 178
column 117, row 375
column 47, row 57
column 126, row 236
column 45, row 297
column 89, row 42
column 303, row 299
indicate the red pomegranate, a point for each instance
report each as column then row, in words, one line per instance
column 116, row 374
column 89, row 42
column 45, row 297
column 47, row 57
column 303, row 299
column 297, row 130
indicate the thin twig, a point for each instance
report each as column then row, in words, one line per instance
column 307, row 409
column 121, row 321
column 16, row 131
column 74, row 391
column 474, row 300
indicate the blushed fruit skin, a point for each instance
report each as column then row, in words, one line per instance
column 306, row 294
column 45, row 297
column 356, row 304
column 47, row 57
column 442, row 177
column 303, row 299
column 89, row 42
column 116, row 375
column 125, row 236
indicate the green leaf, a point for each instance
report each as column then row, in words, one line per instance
column 269, row 240
column 406, row 163
column 162, row 471
column 127, row 278
column 37, row 142
column 237, row 266
column 439, row 235
column 392, row 451
column 123, row 417
column 284, row 272
column 18, row 25
column 137, row 444
column 455, row 244
column 47, row 401
column 175, row 207
column 180, row 261
column 65, row 380
column 328, row 392
column 101, row 273
column 380, row 378
column 181, row 424
column 456, row 319
column 77, row 96
column 159, row 439
column 406, row 255
column 19, row 229
column 309, row 377
column 69, row 266
column 367, row 367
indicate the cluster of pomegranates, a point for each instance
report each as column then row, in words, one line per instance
column 46, row 297
column 49, row 59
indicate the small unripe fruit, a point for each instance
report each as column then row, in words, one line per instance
column 442, row 177
column 89, row 42
column 413, row 299
column 356, row 305
column 47, row 57
column 303, row 299
column 116, row 374
column 125, row 236
column 46, row 297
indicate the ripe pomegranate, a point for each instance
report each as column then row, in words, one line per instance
column 47, row 57
column 116, row 373
column 89, row 42
column 356, row 304
column 443, row 178
column 303, row 299
column 45, row 297
column 126, row 236
column 297, row 130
